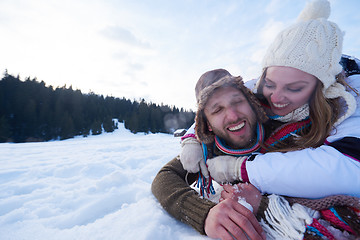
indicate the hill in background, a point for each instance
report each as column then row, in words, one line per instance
column 31, row 111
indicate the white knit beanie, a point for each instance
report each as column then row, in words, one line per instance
column 314, row 45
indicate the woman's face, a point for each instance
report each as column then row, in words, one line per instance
column 287, row 88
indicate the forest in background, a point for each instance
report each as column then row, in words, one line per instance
column 31, row 111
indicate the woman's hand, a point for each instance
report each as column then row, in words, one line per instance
column 225, row 168
column 192, row 158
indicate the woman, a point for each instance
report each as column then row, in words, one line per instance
column 303, row 88
column 319, row 117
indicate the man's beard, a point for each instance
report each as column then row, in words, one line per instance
column 230, row 142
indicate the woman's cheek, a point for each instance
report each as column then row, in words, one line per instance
column 266, row 94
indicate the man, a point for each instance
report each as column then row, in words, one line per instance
column 224, row 109
column 232, row 120
column 227, row 110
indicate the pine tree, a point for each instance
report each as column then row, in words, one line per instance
column 108, row 125
column 143, row 117
column 96, row 127
column 66, row 127
column 5, row 130
column 31, row 110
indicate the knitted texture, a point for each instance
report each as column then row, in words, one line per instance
column 337, row 210
column 285, row 132
column 320, row 229
column 242, row 152
column 313, row 45
column 350, row 217
column 194, row 211
column 297, row 115
column 333, row 217
column 283, row 219
column 177, row 198
column 324, row 203
column 183, row 203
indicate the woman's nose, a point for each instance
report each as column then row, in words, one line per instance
column 276, row 96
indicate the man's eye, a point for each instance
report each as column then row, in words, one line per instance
column 217, row 110
column 238, row 102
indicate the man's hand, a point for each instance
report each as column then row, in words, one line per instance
column 229, row 220
column 245, row 191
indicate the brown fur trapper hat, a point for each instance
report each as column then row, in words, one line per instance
column 208, row 83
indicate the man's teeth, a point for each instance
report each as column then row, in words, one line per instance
column 280, row 105
column 241, row 125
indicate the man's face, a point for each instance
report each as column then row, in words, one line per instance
column 231, row 117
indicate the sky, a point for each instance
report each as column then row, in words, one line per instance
column 155, row 50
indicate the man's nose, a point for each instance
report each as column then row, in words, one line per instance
column 231, row 114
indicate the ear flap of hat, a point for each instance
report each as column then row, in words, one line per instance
column 338, row 90
column 202, row 129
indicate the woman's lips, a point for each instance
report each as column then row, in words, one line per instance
column 279, row 105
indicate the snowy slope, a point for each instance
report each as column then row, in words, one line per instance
column 87, row 188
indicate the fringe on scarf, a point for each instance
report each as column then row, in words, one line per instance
column 283, row 221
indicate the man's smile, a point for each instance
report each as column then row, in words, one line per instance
column 237, row 127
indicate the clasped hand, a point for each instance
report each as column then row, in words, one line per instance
column 229, row 219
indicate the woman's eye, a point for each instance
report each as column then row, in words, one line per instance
column 267, row 85
column 295, row 89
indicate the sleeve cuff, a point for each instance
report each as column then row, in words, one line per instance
column 195, row 210
column 244, row 175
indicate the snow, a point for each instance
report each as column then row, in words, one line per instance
column 97, row 187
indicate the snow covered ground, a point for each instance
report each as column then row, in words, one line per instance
column 87, row 188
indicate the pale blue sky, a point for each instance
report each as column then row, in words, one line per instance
column 154, row 49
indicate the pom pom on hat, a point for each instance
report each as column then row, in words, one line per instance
column 314, row 10
column 313, row 45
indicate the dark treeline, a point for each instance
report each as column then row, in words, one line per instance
column 31, row 111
